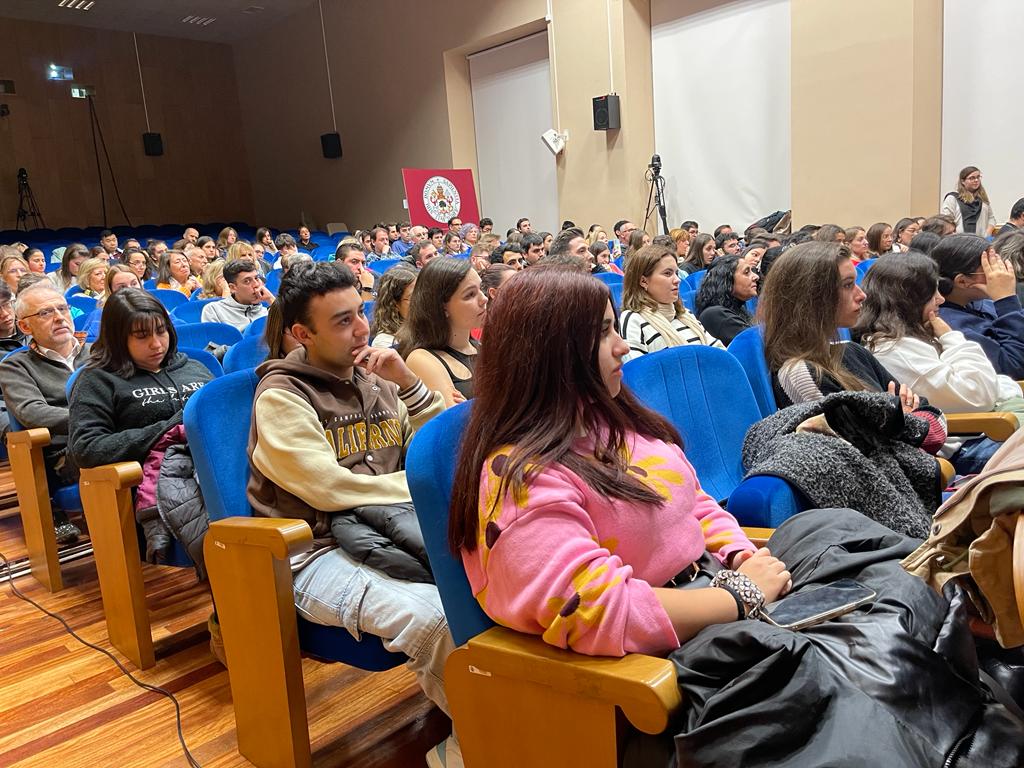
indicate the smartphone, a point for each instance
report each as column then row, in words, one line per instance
column 817, row 604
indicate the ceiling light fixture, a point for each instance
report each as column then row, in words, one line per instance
column 77, row 5
column 201, row 21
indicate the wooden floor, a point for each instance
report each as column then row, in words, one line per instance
column 62, row 704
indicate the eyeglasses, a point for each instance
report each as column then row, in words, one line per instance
column 49, row 313
column 976, row 177
column 6, row 306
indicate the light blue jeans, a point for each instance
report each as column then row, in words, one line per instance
column 337, row 591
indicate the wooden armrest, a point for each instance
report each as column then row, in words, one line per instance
column 1018, row 565
column 251, row 579
column 643, row 687
column 946, row 471
column 759, row 536
column 123, row 474
column 997, row 426
column 282, row 537
column 39, row 436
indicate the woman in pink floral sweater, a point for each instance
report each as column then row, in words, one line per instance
column 574, row 506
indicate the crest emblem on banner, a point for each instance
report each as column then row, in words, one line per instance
column 441, row 199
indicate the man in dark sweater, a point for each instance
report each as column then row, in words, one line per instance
column 33, row 381
column 1016, row 220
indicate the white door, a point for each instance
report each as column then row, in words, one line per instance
column 511, row 87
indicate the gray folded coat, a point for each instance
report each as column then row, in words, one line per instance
column 871, row 464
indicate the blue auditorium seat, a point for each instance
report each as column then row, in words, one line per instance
column 248, row 353
column 198, row 335
column 191, row 311
column 169, row 297
column 705, row 394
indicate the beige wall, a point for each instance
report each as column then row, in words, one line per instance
column 394, row 103
column 390, row 97
column 192, row 98
column 866, row 109
column 601, row 173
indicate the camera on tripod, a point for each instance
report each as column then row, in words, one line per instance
column 27, row 206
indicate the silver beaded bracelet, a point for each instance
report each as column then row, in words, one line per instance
column 743, row 587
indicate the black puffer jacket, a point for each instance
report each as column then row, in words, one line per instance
column 894, row 683
column 385, row 537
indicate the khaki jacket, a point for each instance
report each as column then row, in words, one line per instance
column 978, row 535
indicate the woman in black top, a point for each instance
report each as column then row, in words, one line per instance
column 811, row 294
column 721, row 300
column 135, row 386
column 435, row 338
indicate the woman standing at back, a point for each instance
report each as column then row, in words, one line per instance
column 435, row 340
column 969, row 205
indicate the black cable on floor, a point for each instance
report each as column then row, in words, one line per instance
column 193, row 763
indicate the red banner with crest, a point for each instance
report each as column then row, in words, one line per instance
column 435, row 195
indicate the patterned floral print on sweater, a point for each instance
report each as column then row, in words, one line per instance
column 557, row 559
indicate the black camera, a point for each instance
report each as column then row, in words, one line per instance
column 22, row 175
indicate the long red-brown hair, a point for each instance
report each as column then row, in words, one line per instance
column 538, row 388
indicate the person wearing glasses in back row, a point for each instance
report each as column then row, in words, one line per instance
column 33, row 381
column 969, row 206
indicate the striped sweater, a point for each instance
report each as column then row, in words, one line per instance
column 643, row 337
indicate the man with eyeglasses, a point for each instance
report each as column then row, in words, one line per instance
column 247, row 296
column 11, row 337
column 33, row 383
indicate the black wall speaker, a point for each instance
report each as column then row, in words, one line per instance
column 153, row 144
column 330, row 143
column 606, row 112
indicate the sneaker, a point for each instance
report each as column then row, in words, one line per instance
column 216, row 641
column 447, row 754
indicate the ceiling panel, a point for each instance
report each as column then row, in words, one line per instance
column 161, row 17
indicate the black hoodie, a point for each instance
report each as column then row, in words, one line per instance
column 116, row 419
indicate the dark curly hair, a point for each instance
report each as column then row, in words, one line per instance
column 716, row 287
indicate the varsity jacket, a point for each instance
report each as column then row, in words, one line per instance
column 320, row 445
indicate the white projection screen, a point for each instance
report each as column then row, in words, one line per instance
column 511, row 87
column 982, row 110
column 722, row 108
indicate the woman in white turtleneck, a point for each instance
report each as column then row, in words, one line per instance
column 653, row 317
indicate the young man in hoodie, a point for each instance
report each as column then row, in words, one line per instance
column 331, row 423
column 247, row 296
